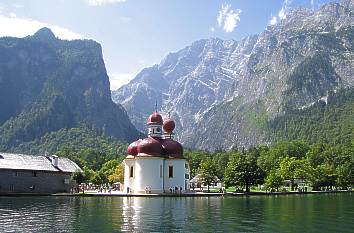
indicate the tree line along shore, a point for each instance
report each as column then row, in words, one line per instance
column 265, row 168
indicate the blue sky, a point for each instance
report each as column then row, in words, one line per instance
column 138, row 33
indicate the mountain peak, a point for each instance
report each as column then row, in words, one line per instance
column 44, row 34
column 289, row 66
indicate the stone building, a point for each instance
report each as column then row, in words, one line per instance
column 156, row 164
column 35, row 174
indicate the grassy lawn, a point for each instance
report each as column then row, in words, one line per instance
column 253, row 189
column 212, row 190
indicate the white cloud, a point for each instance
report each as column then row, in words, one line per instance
column 103, row 2
column 228, row 18
column 119, row 79
column 212, row 29
column 273, row 20
column 21, row 27
column 281, row 14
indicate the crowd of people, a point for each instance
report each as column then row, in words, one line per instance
column 176, row 190
column 95, row 188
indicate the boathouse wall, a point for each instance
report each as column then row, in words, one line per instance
column 24, row 181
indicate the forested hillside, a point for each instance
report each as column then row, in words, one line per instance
column 49, row 88
column 329, row 120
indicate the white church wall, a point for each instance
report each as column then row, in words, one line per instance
column 148, row 175
column 128, row 181
column 178, row 179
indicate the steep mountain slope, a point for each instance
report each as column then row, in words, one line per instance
column 47, row 84
column 187, row 83
column 224, row 93
column 329, row 120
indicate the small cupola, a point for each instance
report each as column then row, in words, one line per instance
column 168, row 127
column 154, row 124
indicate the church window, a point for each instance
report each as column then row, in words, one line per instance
column 158, row 130
column 131, row 174
column 160, row 171
column 170, row 171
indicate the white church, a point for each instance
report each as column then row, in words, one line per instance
column 156, row 164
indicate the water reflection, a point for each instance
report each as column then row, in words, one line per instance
column 311, row 213
column 35, row 215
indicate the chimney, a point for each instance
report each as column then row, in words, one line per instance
column 55, row 160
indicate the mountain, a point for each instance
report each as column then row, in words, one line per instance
column 48, row 84
column 226, row 93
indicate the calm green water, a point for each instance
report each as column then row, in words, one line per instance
column 300, row 213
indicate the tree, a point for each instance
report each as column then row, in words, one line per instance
column 274, row 180
column 315, row 156
column 194, row 159
column 243, row 170
column 270, row 159
column 117, row 175
column 345, row 178
column 287, row 170
column 79, row 178
column 292, row 169
column 88, row 174
column 323, row 176
column 208, row 172
column 99, row 178
column 109, row 167
column 220, row 159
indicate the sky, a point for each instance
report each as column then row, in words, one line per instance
column 135, row 34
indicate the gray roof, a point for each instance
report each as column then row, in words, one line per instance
column 36, row 163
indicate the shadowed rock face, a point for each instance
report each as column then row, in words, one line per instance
column 47, row 84
column 222, row 93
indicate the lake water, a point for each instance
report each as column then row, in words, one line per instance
column 294, row 213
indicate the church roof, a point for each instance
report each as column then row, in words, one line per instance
column 36, row 163
column 157, row 145
column 155, row 118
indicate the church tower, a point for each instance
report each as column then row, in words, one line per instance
column 154, row 124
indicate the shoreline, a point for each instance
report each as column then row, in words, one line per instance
column 197, row 194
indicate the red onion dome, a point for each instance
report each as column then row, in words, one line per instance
column 150, row 147
column 154, row 119
column 172, row 148
column 168, row 125
column 133, row 148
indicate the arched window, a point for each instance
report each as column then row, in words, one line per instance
column 170, row 171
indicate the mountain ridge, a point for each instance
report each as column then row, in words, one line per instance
column 47, row 84
column 288, row 66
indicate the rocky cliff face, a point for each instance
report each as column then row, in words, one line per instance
column 223, row 93
column 47, row 84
